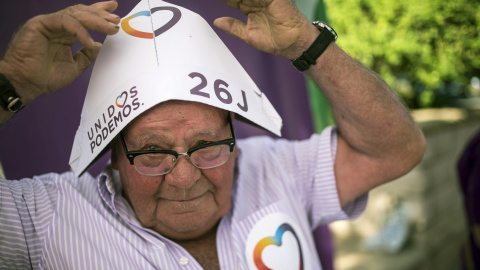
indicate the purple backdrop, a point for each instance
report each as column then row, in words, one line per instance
column 39, row 139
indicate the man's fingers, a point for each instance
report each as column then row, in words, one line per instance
column 94, row 18
column 109, row 6
column 85, row 57
column 102, row 10
column 248, row 6
column 76, row 21
column 56, row 27
column 93, row 22
column 232, row 27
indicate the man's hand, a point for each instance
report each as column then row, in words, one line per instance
column 39, row 59
column 273, row 26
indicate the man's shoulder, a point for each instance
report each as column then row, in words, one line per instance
column 255, row 145
column 68, row 177
column 253, row 140
column 66, row 180
column 47, row 187
column 262, row 142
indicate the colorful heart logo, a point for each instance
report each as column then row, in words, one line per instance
column 120, row 104
column 162, row 29
column 277, row 241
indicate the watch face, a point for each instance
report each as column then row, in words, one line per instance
column 321, row 25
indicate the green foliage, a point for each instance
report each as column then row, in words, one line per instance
column 427, row 43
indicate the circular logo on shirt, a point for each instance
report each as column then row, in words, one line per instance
column 276, row 242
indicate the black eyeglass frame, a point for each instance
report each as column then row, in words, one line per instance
column 131, row 155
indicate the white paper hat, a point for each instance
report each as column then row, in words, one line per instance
column 162, row 52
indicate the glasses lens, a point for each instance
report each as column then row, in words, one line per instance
column 154, row 164
column 211, row 156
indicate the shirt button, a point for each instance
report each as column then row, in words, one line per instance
column 183, row 260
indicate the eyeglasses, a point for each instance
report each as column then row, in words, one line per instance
column 160, row 162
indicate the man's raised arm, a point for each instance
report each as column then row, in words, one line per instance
column 378, row 140
column 39, row 59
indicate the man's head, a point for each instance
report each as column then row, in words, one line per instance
column 186, row 202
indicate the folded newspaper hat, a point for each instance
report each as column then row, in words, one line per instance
column 162, row 52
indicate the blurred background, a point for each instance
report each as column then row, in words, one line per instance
column 427, row 51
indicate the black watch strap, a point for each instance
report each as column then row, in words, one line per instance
column 310, row 56
column 9, row 100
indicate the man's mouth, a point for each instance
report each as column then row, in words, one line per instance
column 180, row 199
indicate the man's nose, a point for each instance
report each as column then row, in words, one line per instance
column 184, row 174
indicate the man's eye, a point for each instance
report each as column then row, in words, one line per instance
column 151, row 147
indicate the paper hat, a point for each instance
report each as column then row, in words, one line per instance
column 162, row 52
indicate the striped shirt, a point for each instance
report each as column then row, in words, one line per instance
column 283, row 191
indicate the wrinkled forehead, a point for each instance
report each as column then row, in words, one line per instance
column 178, row 112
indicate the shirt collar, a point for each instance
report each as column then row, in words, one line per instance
column 109, row 186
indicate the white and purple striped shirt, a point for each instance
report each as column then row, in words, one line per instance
column 283, row 191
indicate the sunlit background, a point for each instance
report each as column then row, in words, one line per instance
column 428, row 52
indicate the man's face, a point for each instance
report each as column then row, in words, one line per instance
column 187, row 202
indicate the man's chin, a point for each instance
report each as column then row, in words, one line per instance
column 187, row 220
column 188, row 227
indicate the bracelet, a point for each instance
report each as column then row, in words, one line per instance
column 9, row 99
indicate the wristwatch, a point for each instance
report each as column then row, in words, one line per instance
column 9, row 99
column 310, row 56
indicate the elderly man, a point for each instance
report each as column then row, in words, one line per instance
column 181, row 192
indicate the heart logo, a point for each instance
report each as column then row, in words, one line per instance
column 277, row 241
column 162, row 29
column 120, row 97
